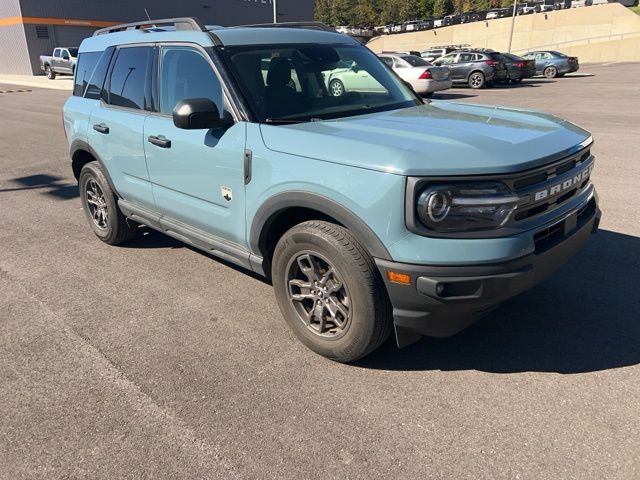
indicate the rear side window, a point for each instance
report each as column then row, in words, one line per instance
column 415, row 61
column 388, row 61
column 186, row 73
column 128, row 84
column 86, row 63
column 96, row 82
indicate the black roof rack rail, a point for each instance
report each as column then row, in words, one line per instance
column 310, row 25
column 181, row 23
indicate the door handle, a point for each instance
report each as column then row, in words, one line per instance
column 101, row 128
column 159, row 141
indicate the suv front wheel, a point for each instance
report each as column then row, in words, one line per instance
column 330, row 292
column 101, row 208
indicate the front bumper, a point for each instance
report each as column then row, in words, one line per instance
column 442, row 300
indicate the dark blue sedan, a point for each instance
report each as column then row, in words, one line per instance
column 553, row 64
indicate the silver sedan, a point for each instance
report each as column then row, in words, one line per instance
column 423, row 77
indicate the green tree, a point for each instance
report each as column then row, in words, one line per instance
column 367, row 12
column 323, row 11
column 390, row 11
column 426, row 8
column 442, row 8
column 409, row 10
column 343, row 12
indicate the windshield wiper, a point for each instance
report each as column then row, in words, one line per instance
column 282, row 121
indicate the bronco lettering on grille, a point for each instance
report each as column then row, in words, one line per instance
column 563, row 186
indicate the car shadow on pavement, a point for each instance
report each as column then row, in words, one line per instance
column 150, row 238
column 451, row 96
column 585, row 318
column 50, row 184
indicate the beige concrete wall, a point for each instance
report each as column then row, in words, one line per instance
column 601, row 33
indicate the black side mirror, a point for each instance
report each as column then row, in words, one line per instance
column 65, row 56
column 199, row 114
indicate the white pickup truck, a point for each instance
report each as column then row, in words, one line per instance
column 62, row 62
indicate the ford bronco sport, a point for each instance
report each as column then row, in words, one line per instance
column 369, row 211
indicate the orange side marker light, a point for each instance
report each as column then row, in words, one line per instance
column 400, row 278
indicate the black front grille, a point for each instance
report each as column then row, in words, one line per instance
column 550, row 237
column 543, row 179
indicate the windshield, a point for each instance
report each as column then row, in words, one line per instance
column 415, row 61
column 73, row 52
column 298, row 83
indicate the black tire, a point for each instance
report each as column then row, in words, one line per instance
column 107, row 221
column 51, row 75
column 336, row 86
column 476, row 80
column 341, row 261
column 560, row 75
column 550, row 72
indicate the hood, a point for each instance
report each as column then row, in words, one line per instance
column 441, row 138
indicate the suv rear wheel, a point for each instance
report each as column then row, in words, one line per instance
column 476, row 80
column 99, row 203
column 330, row 292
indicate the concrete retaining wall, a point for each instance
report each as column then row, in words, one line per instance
column 601, row 33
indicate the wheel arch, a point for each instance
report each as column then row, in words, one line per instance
column 81, row 153
column 287, row 209
column 476, row 70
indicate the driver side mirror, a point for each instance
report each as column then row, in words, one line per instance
column 199, row 114
column 355, row 68
column 65, row 56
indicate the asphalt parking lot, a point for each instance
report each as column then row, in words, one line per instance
column 154, row 360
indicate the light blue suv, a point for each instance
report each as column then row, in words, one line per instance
column 369, row 211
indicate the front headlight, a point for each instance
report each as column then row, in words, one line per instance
column 466, row 207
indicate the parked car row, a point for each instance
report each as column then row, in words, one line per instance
column 548, row 63
column 445, row 66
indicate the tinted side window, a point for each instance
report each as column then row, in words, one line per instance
column 129, row 77
column 84, row 69
column 466, row 57
column 96, row 81
column 186, row 73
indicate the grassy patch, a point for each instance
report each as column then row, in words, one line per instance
column 635, row 9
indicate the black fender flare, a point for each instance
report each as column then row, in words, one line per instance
column 81, row 145
column 344, row 216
